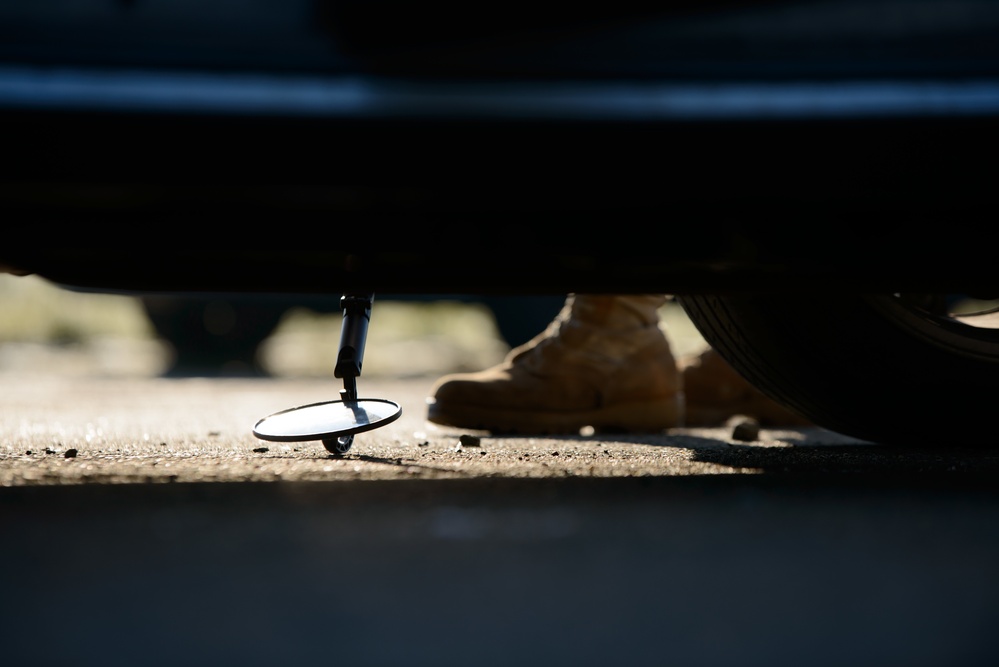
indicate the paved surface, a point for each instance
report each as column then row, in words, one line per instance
column 169, row 538
column 196, row 430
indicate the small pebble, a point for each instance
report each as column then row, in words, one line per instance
column 746, row 430
column 469, row 440
column 70, row 454
column 261, row 450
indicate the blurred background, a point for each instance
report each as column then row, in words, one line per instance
column 45, row 328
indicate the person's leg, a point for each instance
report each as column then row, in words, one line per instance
column 602, row 362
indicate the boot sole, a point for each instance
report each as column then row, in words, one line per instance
column 644, row 417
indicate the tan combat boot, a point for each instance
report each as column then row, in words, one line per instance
column 715, row 392
column 603, row 362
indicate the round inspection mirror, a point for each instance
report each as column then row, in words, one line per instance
column 321, row 421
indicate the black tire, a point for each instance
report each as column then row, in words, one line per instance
column 887, row 369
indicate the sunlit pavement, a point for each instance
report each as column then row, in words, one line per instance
column 143, row 523
column 65, row 430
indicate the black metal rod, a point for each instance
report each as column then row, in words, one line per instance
column 353, row 333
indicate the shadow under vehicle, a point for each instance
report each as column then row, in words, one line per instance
column 815, row 181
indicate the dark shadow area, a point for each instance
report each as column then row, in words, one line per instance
column 768, row 569
column 821, row 457
column 793, row 475
column 958, row 463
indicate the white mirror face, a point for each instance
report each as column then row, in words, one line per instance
column 327, row 420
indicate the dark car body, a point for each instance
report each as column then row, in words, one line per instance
column 320, row 146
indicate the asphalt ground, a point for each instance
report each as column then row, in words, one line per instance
column 141, row 522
